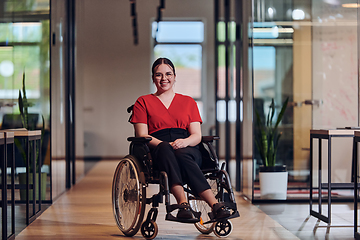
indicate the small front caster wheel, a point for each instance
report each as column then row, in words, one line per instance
column 223, row 228
column 149, row 229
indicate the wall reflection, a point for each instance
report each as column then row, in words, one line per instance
column 58, row 48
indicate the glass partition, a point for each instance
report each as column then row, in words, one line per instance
column 307, row 52
column 25, row 74
column 24, row 58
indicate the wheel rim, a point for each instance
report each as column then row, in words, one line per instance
column 223, row 228
column 149, row 229
column 127, row 197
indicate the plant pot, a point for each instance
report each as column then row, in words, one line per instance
column 273, row 182
column 22, row 181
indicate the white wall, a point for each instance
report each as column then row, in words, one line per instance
column 114, row 72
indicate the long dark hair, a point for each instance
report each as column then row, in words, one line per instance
column 162, row 61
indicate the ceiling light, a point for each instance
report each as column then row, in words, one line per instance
column 298, row 14
column 350, row 5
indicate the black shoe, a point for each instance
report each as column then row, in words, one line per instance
column 220, row 211
column 184, row 213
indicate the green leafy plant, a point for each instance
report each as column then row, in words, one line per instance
column 267, row 139
column 24, row 105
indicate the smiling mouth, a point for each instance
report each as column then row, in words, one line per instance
column 164, row 82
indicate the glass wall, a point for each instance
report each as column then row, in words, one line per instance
column 307, row 52
column 25, row 58
column 25, row 75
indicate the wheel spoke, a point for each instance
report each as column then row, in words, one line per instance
column 129, row 205
column 201, row 206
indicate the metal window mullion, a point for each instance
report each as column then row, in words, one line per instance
column 216, row 58
column 70, row 96
column 227, row 84
column 238, row 66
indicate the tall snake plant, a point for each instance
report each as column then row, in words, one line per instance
column 24, row 105
column 267, row 139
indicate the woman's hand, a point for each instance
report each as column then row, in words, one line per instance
column 193, row 140
column 179, row 143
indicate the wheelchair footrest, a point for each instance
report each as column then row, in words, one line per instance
column 170, row 217
column 235, row 214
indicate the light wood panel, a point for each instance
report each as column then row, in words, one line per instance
column 302, row 84
column 85, row 212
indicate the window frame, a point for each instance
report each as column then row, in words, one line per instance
column 200, row 100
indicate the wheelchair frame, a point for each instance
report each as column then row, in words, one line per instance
column 135, row 172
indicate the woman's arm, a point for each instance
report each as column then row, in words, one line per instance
column 141, row 130
column 193, row 140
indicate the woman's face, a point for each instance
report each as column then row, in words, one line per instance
column 164, row 78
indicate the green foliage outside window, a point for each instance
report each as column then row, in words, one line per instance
column 27, row 45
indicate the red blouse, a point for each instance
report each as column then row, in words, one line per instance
column 150, row 110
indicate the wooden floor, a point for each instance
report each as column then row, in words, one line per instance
column 85, row 212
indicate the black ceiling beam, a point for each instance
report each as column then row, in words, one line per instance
column 160, row 8
column 133, row 15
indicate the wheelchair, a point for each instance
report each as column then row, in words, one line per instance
column 136, row 171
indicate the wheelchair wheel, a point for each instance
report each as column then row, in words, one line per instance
column 128, row 196
column 199, row 205
column 223, row 228
column 149, row 229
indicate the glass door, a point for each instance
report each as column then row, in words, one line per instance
column 335, row 86
column 309, row 53
column 274, row 55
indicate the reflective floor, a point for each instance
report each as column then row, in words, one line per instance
column 296, row 219
column 85, row 212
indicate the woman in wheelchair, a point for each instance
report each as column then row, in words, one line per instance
column 173, row 122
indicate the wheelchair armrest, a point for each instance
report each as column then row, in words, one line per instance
column 206, row 139
column 139, row 139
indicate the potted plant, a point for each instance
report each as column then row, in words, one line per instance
column 24, row 105
column 272, row 177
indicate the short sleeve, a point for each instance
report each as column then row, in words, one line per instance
column 139, row 113
column 194, row 112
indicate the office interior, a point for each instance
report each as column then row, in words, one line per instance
column 86, row 61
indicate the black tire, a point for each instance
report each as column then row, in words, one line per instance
column 223, row 228
column 128, row 196
column 149, row 229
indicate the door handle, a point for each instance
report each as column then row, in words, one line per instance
column 307, row 102
column 313, row 102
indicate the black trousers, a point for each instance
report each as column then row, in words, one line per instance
column 182, row 165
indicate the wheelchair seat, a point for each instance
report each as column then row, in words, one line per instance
column 136, row 171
